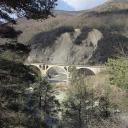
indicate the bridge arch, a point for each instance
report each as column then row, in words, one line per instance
column 85, row 71
column 53, row 71
column 36, row 69
column 39, row 67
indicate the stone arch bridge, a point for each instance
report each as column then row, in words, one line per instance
column 44, row 68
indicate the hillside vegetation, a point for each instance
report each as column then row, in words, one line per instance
column 93, row 37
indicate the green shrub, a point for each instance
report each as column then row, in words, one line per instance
column 118, row 69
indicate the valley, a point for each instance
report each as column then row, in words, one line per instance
column 69, row 70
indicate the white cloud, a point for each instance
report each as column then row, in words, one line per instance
column 83, row 4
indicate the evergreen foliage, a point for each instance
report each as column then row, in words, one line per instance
column 32, row 8
column 118, row 69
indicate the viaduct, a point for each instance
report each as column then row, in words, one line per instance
column 45, row 68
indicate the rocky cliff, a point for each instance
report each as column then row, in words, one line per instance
column 75, row 47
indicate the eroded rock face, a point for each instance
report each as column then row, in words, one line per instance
column 64, row 50
column 93, row 37
column 66, row 45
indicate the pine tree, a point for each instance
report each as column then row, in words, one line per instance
column 43, row 105
column 35, row 9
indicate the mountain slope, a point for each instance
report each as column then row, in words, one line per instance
column 93, row 37
column 32, row 27
column 113, row 5
column 90, row 36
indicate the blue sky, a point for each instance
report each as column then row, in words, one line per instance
column 75, row 5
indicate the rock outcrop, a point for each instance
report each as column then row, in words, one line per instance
column 68, row 48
